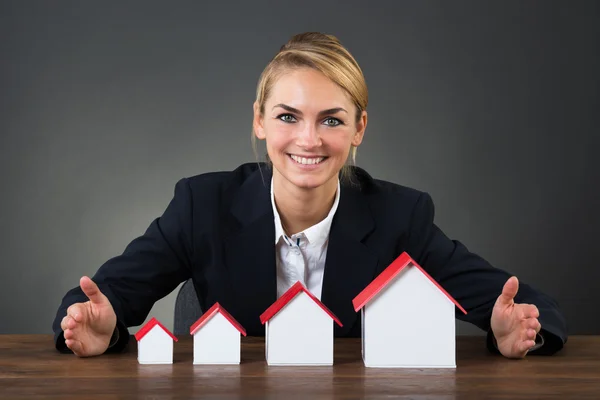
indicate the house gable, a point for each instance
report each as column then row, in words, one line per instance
column 216, row 309
column 149, row 326
column 299, row 310
column 382, row 281
column 291, row 293
column 157, row 334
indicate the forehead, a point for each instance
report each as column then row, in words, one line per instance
column 308, row 90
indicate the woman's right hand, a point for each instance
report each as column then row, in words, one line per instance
column 88, row 327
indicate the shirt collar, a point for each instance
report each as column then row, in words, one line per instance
column 316, row 234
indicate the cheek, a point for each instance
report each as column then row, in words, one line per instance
column 340, row 142
column 279, row 136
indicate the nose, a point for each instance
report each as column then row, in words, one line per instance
column 308, row 138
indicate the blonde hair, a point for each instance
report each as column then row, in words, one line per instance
column 325, row 54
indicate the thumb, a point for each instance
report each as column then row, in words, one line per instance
column 509, row 291
column 90, row 289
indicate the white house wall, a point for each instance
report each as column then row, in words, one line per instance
column 217, row 342
column 300, row 334
column 410, row 323
column 156, row 347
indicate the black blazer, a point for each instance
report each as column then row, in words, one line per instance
column 219, row 230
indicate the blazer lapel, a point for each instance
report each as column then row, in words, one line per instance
column 250, row 252
column 349, row 265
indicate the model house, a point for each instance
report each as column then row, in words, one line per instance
column 299, row 329
column 408, row 319
column 217, row 337
column 155, row 343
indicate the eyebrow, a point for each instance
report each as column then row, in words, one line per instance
column 324, row 112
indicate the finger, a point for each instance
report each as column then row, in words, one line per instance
column 525, row 345
column 534, row 313
column 69, row 334
column 75, row 346
column 527, row 311
column 532, row 323
column 531, row 334
column 509, row 291
column 91, row 290
column 63, row 323
column 75, row 311
column 71, row 323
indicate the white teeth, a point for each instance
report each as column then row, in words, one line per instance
column 307, row 161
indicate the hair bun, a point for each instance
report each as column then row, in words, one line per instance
column 310, row 38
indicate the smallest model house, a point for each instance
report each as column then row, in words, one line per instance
column 299, row 329
column 217, row 337
column 155, row 343
column 408, row 319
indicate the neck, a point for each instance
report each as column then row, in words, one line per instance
column 299, row 208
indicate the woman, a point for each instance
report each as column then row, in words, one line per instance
column 246, row 236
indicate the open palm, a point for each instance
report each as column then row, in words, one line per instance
column 515, row 326
column 88, row 326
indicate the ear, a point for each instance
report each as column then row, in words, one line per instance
column 361, row 125
column 257, row 122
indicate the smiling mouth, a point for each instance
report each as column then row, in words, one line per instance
column 307, row 160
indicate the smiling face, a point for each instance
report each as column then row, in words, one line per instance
column 309, row 124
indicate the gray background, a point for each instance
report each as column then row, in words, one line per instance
column 492, row 107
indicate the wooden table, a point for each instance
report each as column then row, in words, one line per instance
column 30, row 367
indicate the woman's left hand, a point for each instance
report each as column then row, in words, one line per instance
column 515, row 326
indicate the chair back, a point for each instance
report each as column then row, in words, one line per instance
column 187, row 309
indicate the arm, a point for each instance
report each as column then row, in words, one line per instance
column 473, row 282
column 150, row 268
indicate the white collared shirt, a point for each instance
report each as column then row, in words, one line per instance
column 301, row 257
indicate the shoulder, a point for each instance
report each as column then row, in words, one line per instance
column 377, row 190
column 394, row 208
column 223, row 183
column 223, row 179
column 219, row 188
column 392, row 205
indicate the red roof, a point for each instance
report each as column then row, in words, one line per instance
column 386, row 277
column 216, row 308
column 151, row 324
column 287, row 297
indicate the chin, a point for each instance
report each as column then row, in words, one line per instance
column 305, row 182
column 309, row 180
column 308, row 184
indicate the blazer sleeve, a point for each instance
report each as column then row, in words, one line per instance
column 151, row 266
column 473, row 282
